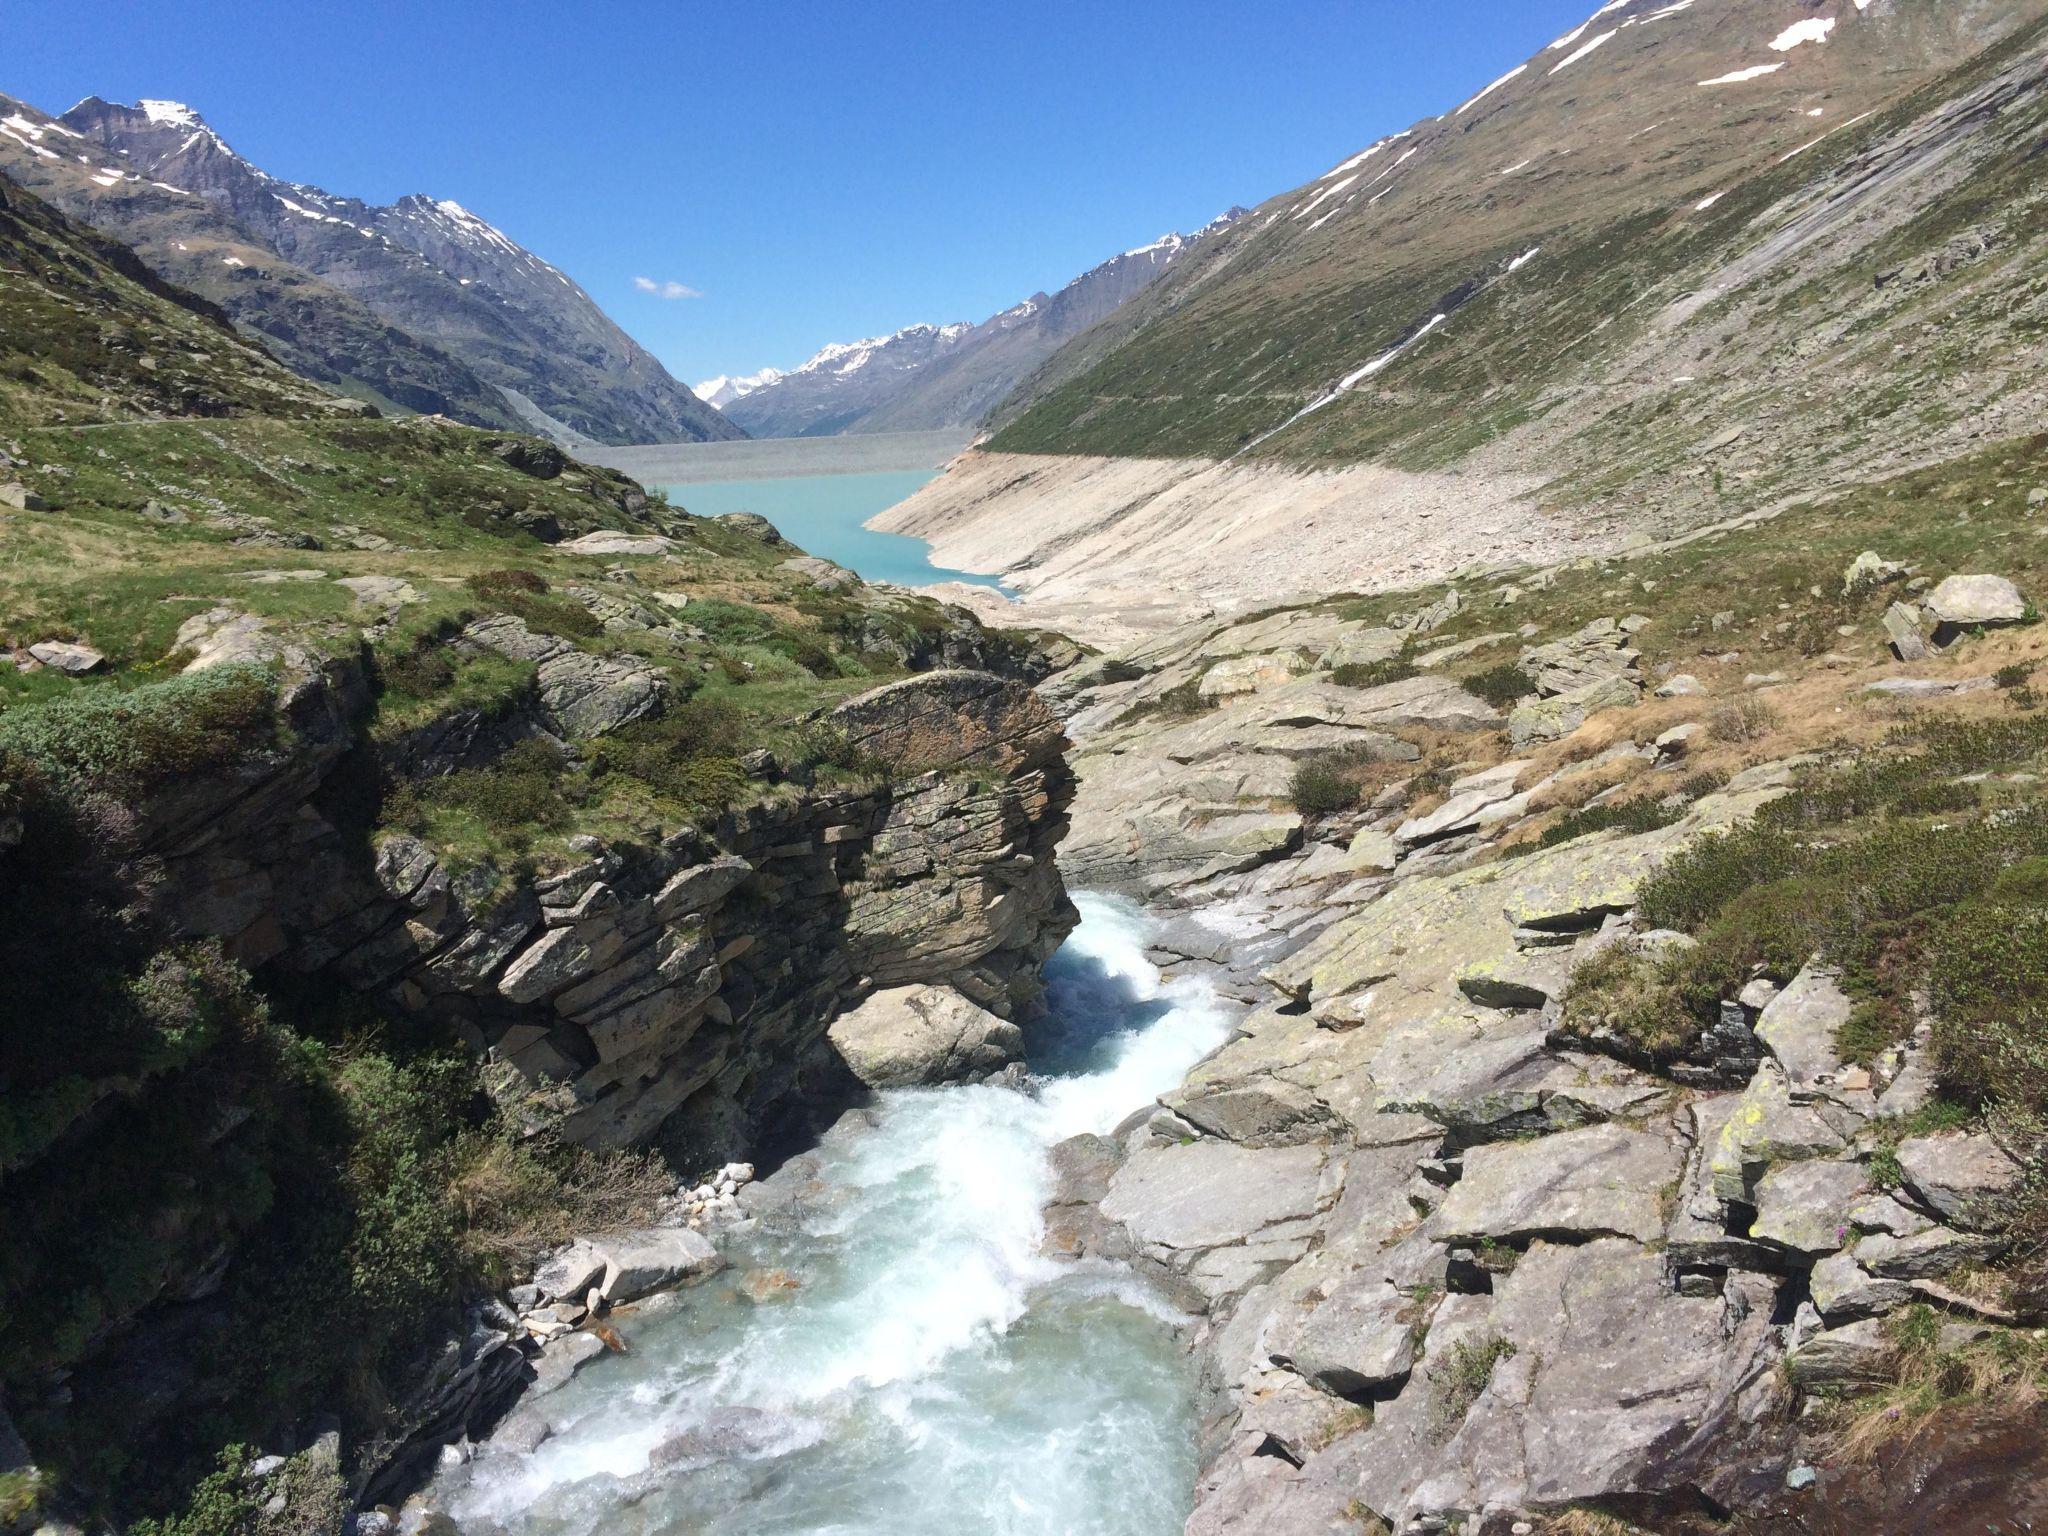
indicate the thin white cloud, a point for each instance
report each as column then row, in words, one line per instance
column 668, row 290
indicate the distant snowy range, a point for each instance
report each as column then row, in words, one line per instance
column 930, row 376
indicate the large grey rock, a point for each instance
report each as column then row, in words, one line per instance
column 1364, row 647
column 1973, row 602
column 1595, row 654
column 1205, row 1194
column 1856, row 1355
column 581, row 695
column 1601, row 1180
column 1902, row 632
column 572, row 1272
column 918, row 1035
column 67, row 656
column 652, row 1259
column 1869, row 571
column 1962, row 1178
column 952, row 719
column 607, row 542
column 823, row 575
column 1468, row 801
column 1843, row 1291
column 1805, row 1206
column 1359, row 1338
column 1551, row 719
column 1798, row 1026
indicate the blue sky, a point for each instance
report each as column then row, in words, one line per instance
column 813, row 170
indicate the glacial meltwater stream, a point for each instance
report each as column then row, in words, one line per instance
column 917, row 1367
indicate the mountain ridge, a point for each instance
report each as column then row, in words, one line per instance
column 420, row 305
column 929, row 375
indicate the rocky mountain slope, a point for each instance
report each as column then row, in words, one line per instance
column 1632, row 1128
column 1689, row 262
column 928, row 376
column 406, row 828
column 420, row 305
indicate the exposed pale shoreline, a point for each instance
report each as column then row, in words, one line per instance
column 1111, row 549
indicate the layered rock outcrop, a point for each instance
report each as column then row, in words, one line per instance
column 676, row 990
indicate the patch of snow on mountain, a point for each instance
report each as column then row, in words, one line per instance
column 1802, row 149
column 1737, row 76
column 106, row 179
column 1522, row 260
column 1503, row 80
column 1365, row 154
column 475, row 230
column 1166, row 242
column 1580, row 30
column 1708, row 201
column 29, row 144
column 1509, row 170
column 1669, row 10
column 1328, row 192
column 176, row 113
column 1814, row 29
column 1582, row 50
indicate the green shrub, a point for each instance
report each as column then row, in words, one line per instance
column 689, row 755
column 1372, row 674
column 524, row 595
column 1988, row 986
column 1503, row 686
column 1325, row 783
column 1181, row 702
column 529, row 789
column 128, row 743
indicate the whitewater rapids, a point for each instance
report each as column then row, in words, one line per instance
column 932, row 1372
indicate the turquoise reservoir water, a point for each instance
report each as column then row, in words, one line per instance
column 823, row 514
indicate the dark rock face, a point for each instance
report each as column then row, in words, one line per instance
column 677, row 992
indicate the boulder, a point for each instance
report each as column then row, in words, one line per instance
column 917, row 1036
column 1682, row 686
column 1360, row 1337
column 381, row 591
column 572, row 1272
column 752, row 524
column 1556, row 717
column 1601, row 1180
column 1364, row 648
column 1844, row 1291
column 1902, row 632
column 1250, row 674
column 581, row 695
column 1805, row 1206
column 1869, row 571
column 1961, row 603
column 1961, row 1178
column 18, row 496
column 67, row 656
column 1469, row 800
column 1852, row 1356
column 1594, row 654
column 606, row 542
column 652, row 1259
column 1798, row 1026
column 952, row 719
column 821, row 575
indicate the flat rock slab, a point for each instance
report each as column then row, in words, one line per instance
column 1603, row 1179
column 1206, row 1194
column 649, row 1260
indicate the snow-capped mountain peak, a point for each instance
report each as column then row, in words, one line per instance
column 726, row 388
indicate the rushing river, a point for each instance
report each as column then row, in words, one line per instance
column 930, row 1374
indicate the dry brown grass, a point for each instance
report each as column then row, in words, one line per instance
column 516, row 1200
column 2003, row 1374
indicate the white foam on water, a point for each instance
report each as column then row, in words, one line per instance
column 936, row 1372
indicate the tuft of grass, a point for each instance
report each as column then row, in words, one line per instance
column 525, row 595
column 1459, row 1379
column 2004, row 1373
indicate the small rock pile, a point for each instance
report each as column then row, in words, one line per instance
column 717, row 1196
